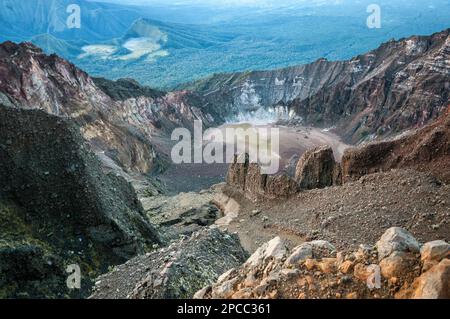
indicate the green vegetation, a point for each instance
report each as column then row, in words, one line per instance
column 13, row 230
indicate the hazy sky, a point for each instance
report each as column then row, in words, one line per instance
column 267, row 3
column 222, row 2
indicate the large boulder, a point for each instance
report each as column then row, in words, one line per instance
column 435, row 283
column 435, row 251
column 280, row 185
column 397, row 264
column 274, row 249
column 317, row 249
column 255, row 182
column 314, row 270
column 396, row 239
column 316, row 168
column 174, row 272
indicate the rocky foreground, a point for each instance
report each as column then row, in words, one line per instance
column 396, row 267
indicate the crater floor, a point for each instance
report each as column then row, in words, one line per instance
column 293, row 142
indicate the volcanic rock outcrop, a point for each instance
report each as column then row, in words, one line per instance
column 247, row 178
column 317, row 169
column 409, row 78
column 175, row 272
column 59, row 208
column 316, row 270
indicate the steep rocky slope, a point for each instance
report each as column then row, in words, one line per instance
column 177, row 271
column 401, row 85
column 357, row 212
column 119, row 119
column 59, row 208
column 426, row 149
column 397, row 266
column 182, row 214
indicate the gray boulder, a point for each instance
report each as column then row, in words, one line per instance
column 275, row 249
column 435, row 251
column 316, row 249
column 396, row 239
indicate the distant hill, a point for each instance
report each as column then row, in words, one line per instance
column 165, row 46
column 20, row 20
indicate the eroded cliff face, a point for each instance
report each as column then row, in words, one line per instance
column 426, row 149
column 117, row 118
column 247, row 178
column 401, row 85
column 250, row 91
column 317, row 169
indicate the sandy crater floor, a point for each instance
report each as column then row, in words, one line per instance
column 292, row 142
